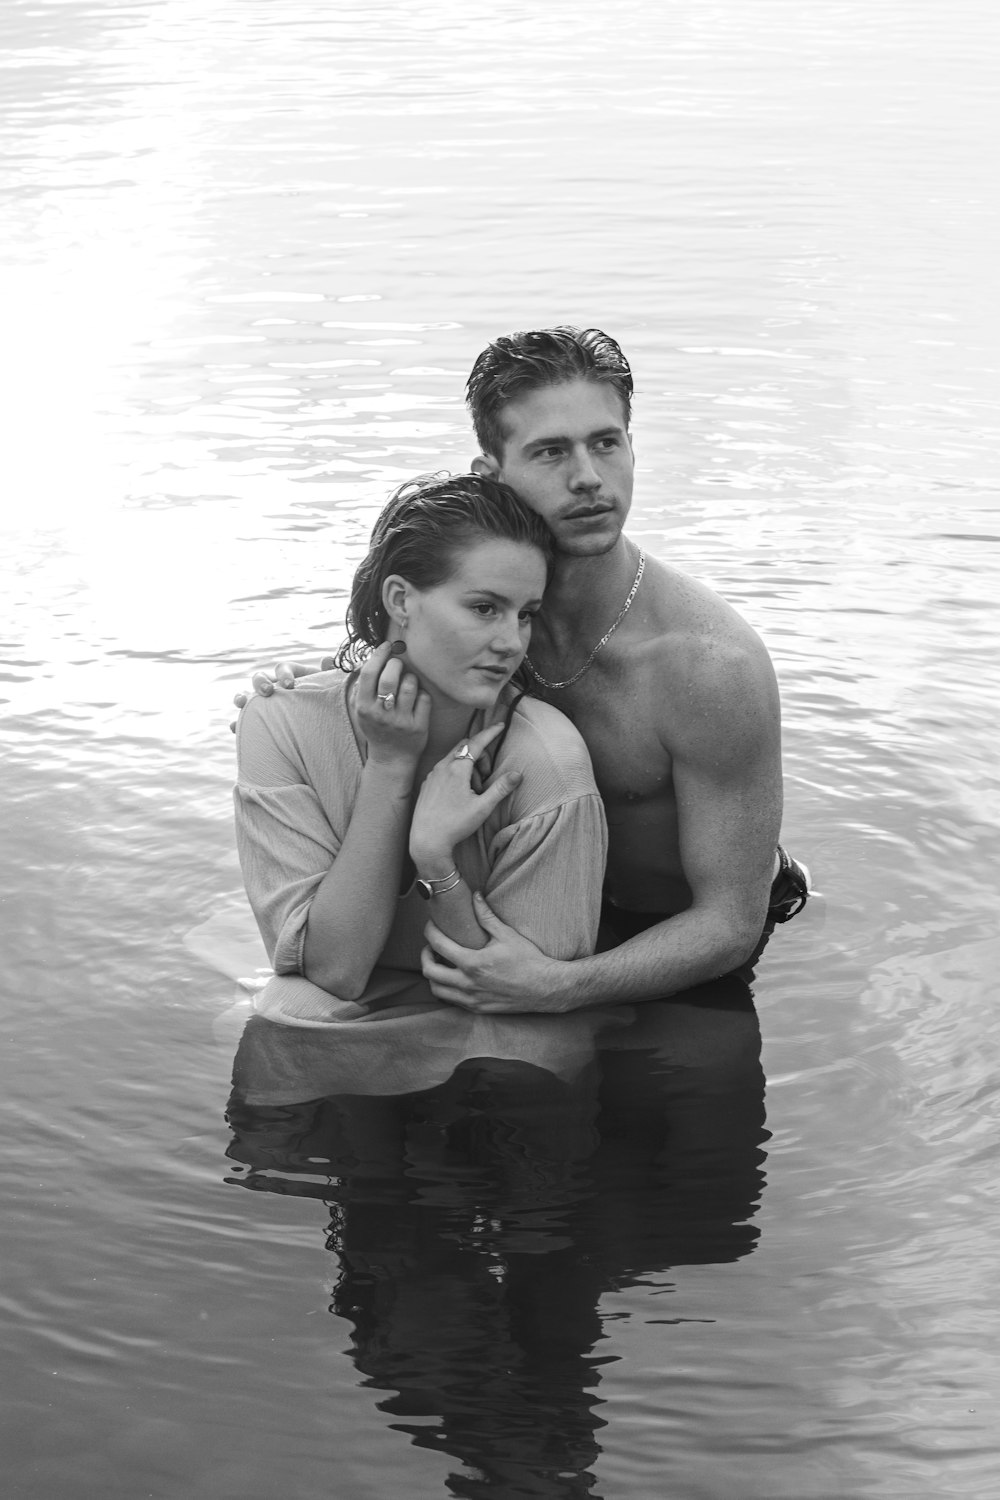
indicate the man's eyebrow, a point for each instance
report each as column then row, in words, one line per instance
column 554, row 442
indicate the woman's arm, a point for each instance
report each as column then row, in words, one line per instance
column 325, row 898
column 448, row 811
column 352, row 911
column 354, row 905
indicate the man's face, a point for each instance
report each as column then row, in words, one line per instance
column 568, row 455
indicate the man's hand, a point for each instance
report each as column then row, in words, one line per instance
column 283, row 675
column 509, row 976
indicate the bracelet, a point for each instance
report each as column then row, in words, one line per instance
column 429, row 888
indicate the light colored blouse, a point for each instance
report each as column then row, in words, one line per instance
column 538, row 859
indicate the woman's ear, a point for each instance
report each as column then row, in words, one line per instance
column 396, row 594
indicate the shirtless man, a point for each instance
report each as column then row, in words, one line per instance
column 672, row 691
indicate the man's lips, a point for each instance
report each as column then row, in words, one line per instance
column 584, row 512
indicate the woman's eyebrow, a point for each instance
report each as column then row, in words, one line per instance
column 499, row 598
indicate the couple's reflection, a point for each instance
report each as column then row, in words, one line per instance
column 477, row 1223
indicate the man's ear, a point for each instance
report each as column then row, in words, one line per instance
column 486, row 466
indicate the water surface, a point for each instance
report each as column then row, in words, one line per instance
column 249, row 256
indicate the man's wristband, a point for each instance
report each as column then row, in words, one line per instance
column 429, row 888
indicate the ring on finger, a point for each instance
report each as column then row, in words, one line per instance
column 386, row 699
column 464, row 753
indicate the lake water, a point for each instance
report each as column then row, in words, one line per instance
column 250, row 252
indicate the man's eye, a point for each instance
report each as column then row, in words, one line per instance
column 608, row 442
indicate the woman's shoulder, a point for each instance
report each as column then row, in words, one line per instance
column 309, row 695
column 286, row 717
column 549, row 751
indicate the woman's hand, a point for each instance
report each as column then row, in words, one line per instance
column 393, row 711
column 448, row 808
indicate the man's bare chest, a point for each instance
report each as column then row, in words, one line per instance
column 632, row 766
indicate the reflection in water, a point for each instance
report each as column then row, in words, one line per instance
column 476, row 1224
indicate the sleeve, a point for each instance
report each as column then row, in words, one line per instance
column 546, row 873
column 285, row 842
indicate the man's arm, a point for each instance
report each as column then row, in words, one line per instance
column 727, row 782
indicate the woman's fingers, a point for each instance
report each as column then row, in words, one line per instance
column 477, row 743
column 407, row 688
column 368, row 677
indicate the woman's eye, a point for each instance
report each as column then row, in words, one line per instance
column 484, row 609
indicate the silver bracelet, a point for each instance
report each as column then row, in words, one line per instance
column 429, row 888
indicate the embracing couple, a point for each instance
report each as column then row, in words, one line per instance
column 544, row 773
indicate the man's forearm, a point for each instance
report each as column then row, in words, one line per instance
column 676, row 954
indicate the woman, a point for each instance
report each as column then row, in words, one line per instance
column 391, row 789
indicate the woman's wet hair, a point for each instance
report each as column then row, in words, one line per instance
column 424, row 527
column 518, row 363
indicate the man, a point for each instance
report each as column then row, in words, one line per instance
column 673, row 693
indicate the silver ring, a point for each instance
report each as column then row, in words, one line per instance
column 464, row 754
column 386, row 699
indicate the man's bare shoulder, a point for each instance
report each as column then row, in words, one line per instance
column 689, row 626
column 705, row 659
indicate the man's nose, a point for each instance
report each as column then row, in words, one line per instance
column 583, row 475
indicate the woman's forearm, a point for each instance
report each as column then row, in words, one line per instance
column 353, row 909
column 452, row 909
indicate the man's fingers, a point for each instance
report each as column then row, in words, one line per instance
column 262, row 684
column 240, row 700
column 446, row 983
column 441, row 945
column 486, row 916
column 327, row 663
column 286, row 672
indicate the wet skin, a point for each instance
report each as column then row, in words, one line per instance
column 682, row 701
column 681, row 717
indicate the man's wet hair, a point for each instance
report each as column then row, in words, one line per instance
column 518, row 363
column 426, row 525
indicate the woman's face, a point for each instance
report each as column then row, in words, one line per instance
column 466, row 637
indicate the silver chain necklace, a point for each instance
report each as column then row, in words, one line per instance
column 601, row 643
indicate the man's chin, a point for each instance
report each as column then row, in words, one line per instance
column 592, row 544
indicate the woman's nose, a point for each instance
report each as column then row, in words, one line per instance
column 507, row 639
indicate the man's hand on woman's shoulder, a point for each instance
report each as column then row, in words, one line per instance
column 283, row 674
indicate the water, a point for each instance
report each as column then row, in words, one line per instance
column 249, row 256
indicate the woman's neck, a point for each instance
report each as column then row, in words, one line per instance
column 449, row 725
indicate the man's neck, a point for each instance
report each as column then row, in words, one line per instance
column 583, row 590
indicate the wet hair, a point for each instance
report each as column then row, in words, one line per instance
column 518, row 363
column 426, row 523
